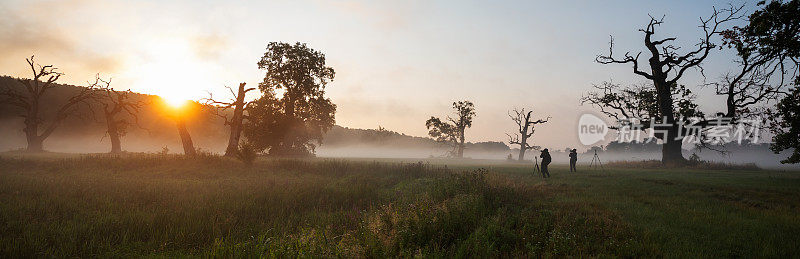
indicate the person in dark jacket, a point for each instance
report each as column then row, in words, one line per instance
column 573, row 159
column 546, row 159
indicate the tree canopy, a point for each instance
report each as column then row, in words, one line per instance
column 452, row 130
column 293, row 113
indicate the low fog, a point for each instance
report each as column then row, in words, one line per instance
column 154, row 132
column 81, row 136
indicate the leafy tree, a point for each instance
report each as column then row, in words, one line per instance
column 787, row 127
column 773, row 34
column 768, row 48
column 452, row 130
column 294, row 121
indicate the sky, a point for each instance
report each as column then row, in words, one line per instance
column 397, row 62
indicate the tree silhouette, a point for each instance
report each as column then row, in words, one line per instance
column 116, row 104
column 452, row 130
column 786, row 127
column 289, row 123
column 640, row 102
column 772, row 37
column 667, row 67
column 525, row 128
column 236, row 122
column 186, row 139
column 180, row 115
column 43, row 80
column 768, row 52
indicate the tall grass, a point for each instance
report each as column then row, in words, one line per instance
column 211, row 206
column 170, row 205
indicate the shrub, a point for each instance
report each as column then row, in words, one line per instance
column 164, row 151
column 246, row 153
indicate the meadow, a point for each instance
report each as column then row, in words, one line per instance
column 171, row 206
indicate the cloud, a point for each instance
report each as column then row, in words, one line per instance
column 386, row 15
column 38, row 28
column 210, row 46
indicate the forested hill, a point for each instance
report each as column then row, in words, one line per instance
column 86, row 133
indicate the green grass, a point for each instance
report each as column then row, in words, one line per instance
column 150, row 205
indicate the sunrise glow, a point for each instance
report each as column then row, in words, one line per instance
column 172, row 70
column 380, row 128
column 174, row 101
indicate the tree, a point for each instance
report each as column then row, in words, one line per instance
column 452, row 130
column 767, row 51
column 639, row 102
column 787, row 127
column 667, row 67
column 180, row 115
column 525, row 128
column 116, row 104
column 294, row 122
column 43, row 80
column 236, row 122
column 772, row 37
column 186, row 139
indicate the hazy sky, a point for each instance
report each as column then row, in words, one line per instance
column 397, row 62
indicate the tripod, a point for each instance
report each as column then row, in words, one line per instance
column 596, row 158
column 536, row 165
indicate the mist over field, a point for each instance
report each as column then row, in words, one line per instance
column 84, row 136
column 399, row 129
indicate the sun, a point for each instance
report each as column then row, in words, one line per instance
column 175, row 102
column 170, row 69
column 176, row 106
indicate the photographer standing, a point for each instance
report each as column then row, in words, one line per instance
column 545, row 162
column 573, row 159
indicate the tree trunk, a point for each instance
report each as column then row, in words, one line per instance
column 113, row 134
column 233, row 140
column 236, row 123
column 186, row 139
column 671, row 149
column 523, row 144
column 35, row 143
column 288, row 138
column 460, row 151
column 671, row 153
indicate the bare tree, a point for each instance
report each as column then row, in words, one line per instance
column 526, row 126
column 452, row 130
column 239, row 107
column 29, row 100
column 186, row 139
column 115, row 105
column 667, row 67
column 179, row 114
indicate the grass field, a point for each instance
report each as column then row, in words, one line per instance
column 151, row 205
